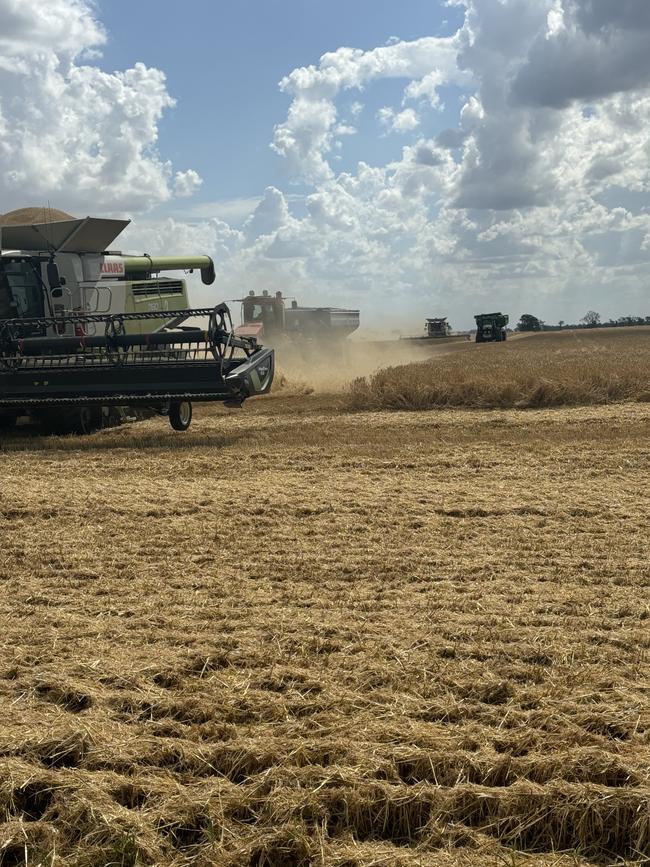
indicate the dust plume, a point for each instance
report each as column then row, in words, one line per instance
column 330, row 368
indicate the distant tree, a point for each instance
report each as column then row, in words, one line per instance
column 561, row 323
column 591, row 319
column 529, row 323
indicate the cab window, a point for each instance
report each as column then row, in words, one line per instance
column 21, row 295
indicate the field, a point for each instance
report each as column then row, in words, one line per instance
column 307, row 634
column 554, row 369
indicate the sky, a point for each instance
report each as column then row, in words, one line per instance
column 414, row 158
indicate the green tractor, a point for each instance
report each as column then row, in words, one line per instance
column 491, row 327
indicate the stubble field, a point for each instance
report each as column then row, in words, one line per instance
column 302, row 634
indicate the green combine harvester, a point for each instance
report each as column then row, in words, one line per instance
column 87, row 333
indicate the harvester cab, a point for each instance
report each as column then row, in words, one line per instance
column 491, row 327
column 84, row 331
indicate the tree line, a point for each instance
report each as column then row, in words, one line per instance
column 591, row 319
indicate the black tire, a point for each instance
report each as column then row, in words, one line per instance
column 180, row 414
column 89, row 419
column 7, row 420
column 63, row 422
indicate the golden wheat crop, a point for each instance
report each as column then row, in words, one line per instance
column 553, row 369
column 299, row 635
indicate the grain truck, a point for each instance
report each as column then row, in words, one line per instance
column 267, row 317
column 491, row 327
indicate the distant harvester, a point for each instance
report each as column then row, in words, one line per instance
column 438, row 327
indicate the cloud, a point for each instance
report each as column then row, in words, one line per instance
column 270, row 215
column 517, row 205
column 598, row 16
column 402, row 121
column 508, row 205
column 186, row 183
column 427, row 88
column 307, row 136
column 593, row 49
column 234, row 211
column 69, row 132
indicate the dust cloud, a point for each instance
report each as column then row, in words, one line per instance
column 329, row 368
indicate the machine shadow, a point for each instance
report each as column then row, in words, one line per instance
column 101, row 442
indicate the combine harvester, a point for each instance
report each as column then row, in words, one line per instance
column 437, row 329
column 86, row 335
column 266, row 317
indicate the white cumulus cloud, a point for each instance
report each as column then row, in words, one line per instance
column 70, row 133
column 187, row 183
column 400, row 121
column 306, row 137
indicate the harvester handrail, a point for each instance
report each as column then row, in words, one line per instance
column 72, row 318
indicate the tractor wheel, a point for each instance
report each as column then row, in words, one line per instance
column 180, row 414
column 89, row 419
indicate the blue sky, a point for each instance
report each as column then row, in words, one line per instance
column 223, row 62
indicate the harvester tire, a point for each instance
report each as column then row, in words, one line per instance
column 84, row 420
column 89, row 420
column 7, row 420
column 180, row 414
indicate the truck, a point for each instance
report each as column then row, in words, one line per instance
column 491, row 327
column 267, row 317
column 86, row 331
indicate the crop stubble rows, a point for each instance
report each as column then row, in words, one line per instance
column 296, row 635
